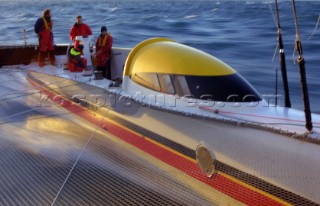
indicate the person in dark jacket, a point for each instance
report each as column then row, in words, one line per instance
column 103, row 51
column 79, row 29
column 43, row 28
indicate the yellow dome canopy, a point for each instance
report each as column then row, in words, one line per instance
column 162, row 55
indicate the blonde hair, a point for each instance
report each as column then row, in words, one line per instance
column 46, row 13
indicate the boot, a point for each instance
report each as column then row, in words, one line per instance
column 52, row 57
column 41, row 58
column 108, row 69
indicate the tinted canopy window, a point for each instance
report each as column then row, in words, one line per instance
column 228, row 88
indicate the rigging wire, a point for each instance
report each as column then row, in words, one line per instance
column 35, row 118
column 23, row 112
column 76, row 162
column 314, row 30
column 275, row 21
column 29, row 94
column 16, row 114
column 45, row 84
column 273, row 57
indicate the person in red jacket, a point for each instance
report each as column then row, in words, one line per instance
column 103, row 51
column 43, row 28
column 76, row 63
column 79, row 29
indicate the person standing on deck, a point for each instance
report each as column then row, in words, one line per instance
column 43, row 28
column 103, row 51
column 79, row 29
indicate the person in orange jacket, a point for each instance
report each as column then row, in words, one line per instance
column 43, row 28
column 103, row 51
column 79, row 29
column 76, row 63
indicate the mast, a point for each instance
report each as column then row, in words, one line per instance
column 302, row 70
column 287, row 102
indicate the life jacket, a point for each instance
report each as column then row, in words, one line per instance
column 102, row 42
column 75, row 52
column 47, row 26
column 75, row 61
column 43, row 24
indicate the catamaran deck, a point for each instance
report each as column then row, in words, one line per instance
column 50, row 156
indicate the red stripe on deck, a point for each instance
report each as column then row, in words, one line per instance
column 219, row 182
